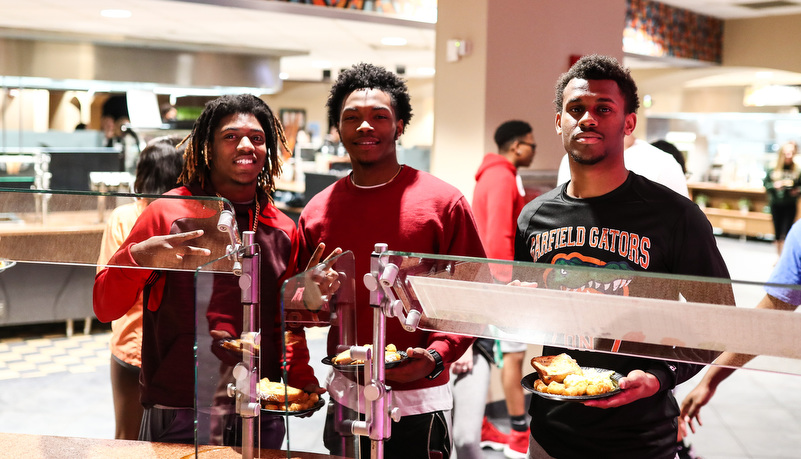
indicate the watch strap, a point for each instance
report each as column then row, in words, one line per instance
column 439, row 365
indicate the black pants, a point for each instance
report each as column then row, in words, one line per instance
column 419, row 436
column 783, row 218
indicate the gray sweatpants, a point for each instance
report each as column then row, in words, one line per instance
column 469, row 400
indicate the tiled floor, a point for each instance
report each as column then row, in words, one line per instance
column 53, row 385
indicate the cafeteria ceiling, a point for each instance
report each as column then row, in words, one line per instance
column 308, row 39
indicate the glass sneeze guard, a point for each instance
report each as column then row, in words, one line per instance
column 662, row 316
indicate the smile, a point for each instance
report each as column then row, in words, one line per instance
column 366, row 141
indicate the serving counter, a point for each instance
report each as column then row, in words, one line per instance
column 65, row 238
column 658, row 316
column 36, row 446
column 734, row 210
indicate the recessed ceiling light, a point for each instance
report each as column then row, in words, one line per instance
column 283, row 75
column 426, row 71
column 116, row 14
column 393, row 41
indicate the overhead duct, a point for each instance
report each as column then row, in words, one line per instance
column 71, row 65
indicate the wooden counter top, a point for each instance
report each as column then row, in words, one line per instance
column 716, row 187
column 65, row 237
column 56, row 223
column 36, row 446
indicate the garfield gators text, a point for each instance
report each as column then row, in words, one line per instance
column 631, row 246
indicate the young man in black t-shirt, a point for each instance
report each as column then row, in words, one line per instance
column 607, row 216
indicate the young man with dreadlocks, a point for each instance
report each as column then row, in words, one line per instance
column 382, row 201
column 232, row 152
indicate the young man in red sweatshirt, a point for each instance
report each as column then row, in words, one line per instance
column 231, row 153
column 382, row 201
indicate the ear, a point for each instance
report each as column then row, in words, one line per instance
column 630, row 123
column 515, row 147
column 559, row 123
column 398, row 129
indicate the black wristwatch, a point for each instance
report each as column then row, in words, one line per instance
column 439, row 366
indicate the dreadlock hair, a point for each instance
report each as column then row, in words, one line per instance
column 369, row 76
column 197, row 158
column 597, row 67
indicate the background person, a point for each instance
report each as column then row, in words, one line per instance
column 788, row 272
column 157, row 171
column 382, row 201
column 672, row 150
column 470, row 384
column 232, row 152
column 498, row 199
column 596, row 103
column 782, row 186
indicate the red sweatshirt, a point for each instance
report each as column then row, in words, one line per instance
column 496, row 204
column 169, row 319
column 415, row 212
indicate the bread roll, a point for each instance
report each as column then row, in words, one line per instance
column 555, row 367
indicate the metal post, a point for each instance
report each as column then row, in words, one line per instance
column 249, row 282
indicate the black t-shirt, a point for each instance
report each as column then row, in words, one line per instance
column 640, row 226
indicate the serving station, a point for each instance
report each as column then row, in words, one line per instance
column 667, row 317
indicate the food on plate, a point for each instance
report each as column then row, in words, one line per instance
column 555, row 367
column 561, row 375
column 276, row 396
column 242, row 345
column 391, row 354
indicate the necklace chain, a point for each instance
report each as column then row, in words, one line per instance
column 255, row 216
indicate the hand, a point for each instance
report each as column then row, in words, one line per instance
column 518, row 283
column 170, row 251
column 313, row 388
column 692, row 403
column 464, row 364
column 636, row 385
column 419, row 365
column 227, row 357
column 323, row 281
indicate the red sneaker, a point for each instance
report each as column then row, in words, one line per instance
column 491, row 437
column 518, row 445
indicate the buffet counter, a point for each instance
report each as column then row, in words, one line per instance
column 734, row 210
column 37, row 446
column 41, row 290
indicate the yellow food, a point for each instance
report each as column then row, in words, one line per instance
column 555, row 367
column 241, row 345
column 273, row 396
column 561, row 375
column 344, row 358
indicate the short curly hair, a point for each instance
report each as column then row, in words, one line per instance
column 369, row 76
column 598, row 67
column 197, row 158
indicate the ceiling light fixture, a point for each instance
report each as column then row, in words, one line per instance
column 116, row 14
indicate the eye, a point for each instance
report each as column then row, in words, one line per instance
column 257, row 138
